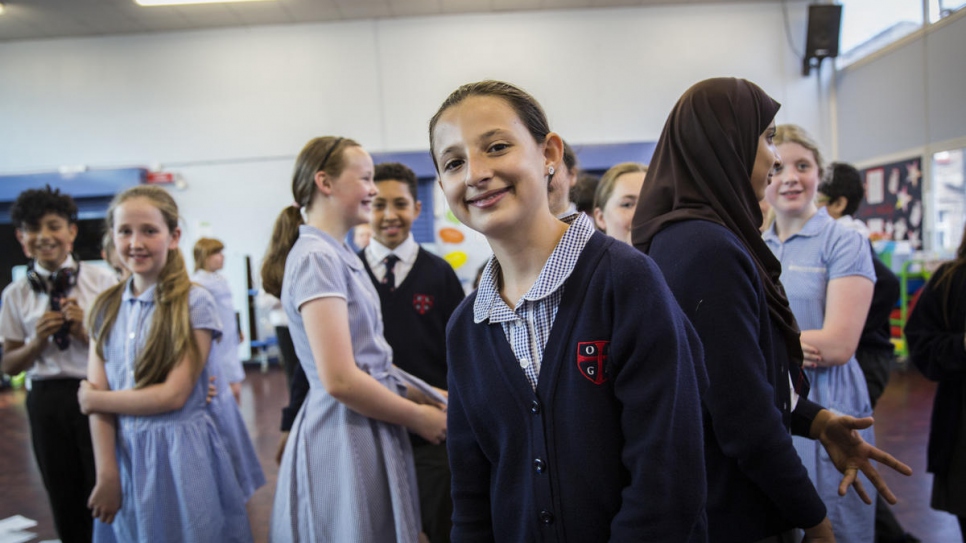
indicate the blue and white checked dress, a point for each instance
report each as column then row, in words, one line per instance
column 223, row 409
column 225, row 351
column 177, row 480
column 824, row 250
column 344, row 476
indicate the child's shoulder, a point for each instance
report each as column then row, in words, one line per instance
column 18, row 286
column 97, row 274
column 199, row 296
column 463, row 311
column 701, row 242
column 315, row 248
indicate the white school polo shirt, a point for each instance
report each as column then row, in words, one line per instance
column 22, row 309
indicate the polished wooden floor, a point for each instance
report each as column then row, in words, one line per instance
column 902, row 423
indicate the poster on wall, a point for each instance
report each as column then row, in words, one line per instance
column 893, row 201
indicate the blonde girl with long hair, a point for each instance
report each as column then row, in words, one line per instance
column 163, row 473
column 347, row 470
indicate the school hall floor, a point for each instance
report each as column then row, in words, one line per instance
column 902, row 425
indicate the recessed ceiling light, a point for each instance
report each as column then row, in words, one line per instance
column 152, row 3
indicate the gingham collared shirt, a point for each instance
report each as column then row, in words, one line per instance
column 528, row 326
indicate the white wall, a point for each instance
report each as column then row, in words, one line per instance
column 230, row 108
column 909, row 98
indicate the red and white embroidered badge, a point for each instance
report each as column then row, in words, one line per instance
column 422, row 303
column 591, row 358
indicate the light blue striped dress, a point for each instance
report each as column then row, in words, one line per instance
column 177, row 481
column 225, row 351
column 223, row 408
column 824, row 250
column 344, row 476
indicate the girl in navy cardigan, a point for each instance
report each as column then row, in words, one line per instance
column 574, row 381
column 698, row 217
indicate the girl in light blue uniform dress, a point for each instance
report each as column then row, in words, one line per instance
column 828, row 276
column 225, row 366
column 347, row 471
column 163, row 472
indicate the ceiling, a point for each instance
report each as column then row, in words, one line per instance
column 46, row 19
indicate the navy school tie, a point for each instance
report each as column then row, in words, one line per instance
column 390, row 278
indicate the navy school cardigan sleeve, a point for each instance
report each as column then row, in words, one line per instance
column 935, row 332
column 609, row 446
column 757, row 485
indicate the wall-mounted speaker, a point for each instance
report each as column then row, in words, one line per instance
column 822, row 39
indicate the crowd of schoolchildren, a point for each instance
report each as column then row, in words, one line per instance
column 650, row 357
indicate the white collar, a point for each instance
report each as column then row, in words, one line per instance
column 45, row 273
column 406, row 251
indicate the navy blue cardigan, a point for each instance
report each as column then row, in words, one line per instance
column 609, row 446
column 757, row 485
column 935, row 333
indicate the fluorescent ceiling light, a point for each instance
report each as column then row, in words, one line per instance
column 152, row 3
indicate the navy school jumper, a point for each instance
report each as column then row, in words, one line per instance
column 414, row 315
column 609, row 447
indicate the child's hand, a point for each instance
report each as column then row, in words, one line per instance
column 281, row 448
column 415, row 395
column 75, row 316
column 812, row 357
column 212, row 389
column 49, row 322
column 821, row 532
column 84, row 394
column 430, row 424
column 105, row 499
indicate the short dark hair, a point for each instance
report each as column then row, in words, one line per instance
column 396, row 171
column 569, row 157
column 33, row 204
column 582, row 193
column 844, row 181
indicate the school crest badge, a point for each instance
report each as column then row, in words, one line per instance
column 592, row 360
column 422, row 303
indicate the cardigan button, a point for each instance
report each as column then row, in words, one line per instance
column 539, row 465
column 535, row 407
column 546, row 517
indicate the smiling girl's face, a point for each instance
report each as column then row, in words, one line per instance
column 618, row 212
column 792, row 192
column 491, row 169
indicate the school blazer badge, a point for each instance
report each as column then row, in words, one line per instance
column 592, row 360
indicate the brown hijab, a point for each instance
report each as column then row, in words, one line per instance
column 701, row 169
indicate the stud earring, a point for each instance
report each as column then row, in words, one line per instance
column 550, row 171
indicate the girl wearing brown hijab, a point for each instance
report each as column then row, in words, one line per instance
column 698, row 218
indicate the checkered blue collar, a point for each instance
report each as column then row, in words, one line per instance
column 128, row 295
column 812, row 227
column 490, row 306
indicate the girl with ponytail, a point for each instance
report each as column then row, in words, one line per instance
column 163, row 473
column 347, row 471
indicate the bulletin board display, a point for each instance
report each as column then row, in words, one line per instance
column 892, row 208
